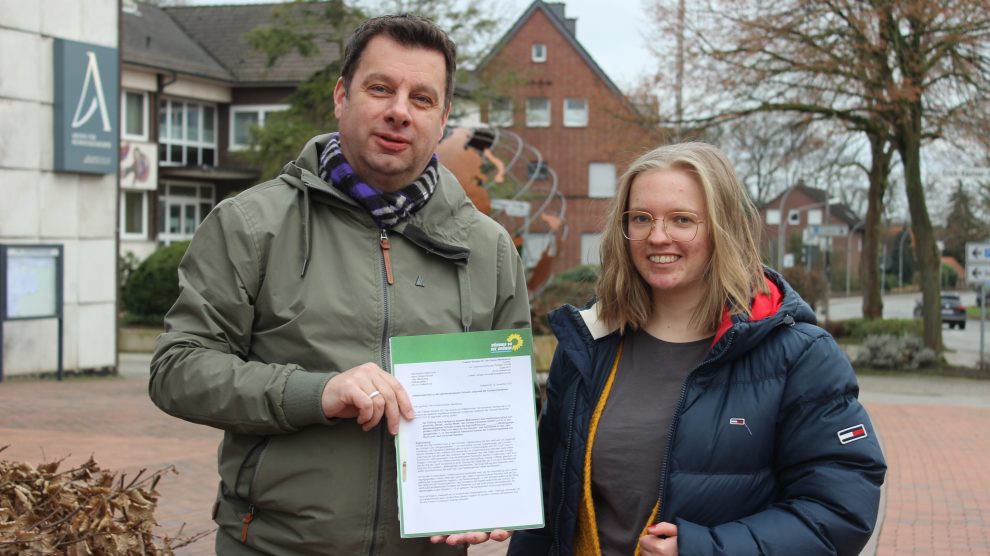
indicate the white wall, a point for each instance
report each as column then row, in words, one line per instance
column 38, row 205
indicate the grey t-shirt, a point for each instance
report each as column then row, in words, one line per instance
column 632, row 435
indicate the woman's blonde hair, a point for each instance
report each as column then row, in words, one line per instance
column 733, row 274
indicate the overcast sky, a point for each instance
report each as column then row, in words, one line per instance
column 612, row 31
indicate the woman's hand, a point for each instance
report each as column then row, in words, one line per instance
column 661, row 540
column 471, row 538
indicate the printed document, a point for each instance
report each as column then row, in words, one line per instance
column 469, row 460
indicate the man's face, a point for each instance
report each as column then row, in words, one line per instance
column 393, row 116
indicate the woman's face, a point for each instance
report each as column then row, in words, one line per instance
column 670, row 267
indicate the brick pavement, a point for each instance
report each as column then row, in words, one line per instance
column 938, row 496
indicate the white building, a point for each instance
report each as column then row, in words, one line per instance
column 71, row 208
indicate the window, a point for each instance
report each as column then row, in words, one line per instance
column 575, row 112
column 794, row 216
column 181, row 208
column 533, row 247
column 538, row 53
column 134, row 214
column 243, row 117
column 814, row 217
column 601, row 180
column 135, row 105
column 590, row 244
column 538, row 112
column 500, row 113
column 773, row 217
column 187, row 133
column 538, row 170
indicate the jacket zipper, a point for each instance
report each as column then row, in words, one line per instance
column 247, row 519
column 555, row 547
column 387, row 274
column 386, row 258
column 786, row 320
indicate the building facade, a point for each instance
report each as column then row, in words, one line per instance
column 547, row 89
column 58, row 184
column 799, row 229
column 192, row 87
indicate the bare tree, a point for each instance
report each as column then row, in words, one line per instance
column 897, row 71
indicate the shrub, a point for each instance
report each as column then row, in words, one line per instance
column 153, row 287
column 858, row 329
column 886, row 351
column 575, row 286
column 810, row 285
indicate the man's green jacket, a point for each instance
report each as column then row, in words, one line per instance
column 285, row 286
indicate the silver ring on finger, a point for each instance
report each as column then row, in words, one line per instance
column 372, row 395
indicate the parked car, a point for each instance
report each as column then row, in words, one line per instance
column 953, row 311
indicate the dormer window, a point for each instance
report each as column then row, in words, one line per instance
column 539, row 53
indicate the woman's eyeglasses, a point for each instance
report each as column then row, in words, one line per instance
column 637, row 225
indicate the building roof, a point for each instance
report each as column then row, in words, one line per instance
column 153, row 39
column 211, row 41
column 567, row 27
column 839, row 210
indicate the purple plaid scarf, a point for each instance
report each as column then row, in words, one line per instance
column 388, row 209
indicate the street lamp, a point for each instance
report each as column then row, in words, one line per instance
column 859, row 225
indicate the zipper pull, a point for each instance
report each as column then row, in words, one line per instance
column 383, row 241
column 248, row 518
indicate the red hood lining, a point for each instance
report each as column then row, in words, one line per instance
column 763, row 306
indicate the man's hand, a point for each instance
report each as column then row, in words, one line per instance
column 367, row 392
column 661, row 540
column 471, row 538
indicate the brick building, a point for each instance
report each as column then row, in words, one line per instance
column 547, row 89
column 793, row 217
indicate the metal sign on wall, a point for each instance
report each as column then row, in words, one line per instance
column 86, row 104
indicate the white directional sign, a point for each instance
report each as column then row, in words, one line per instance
column 969, row 173
column 831, row 230
column 977, row 253
column 978, row 263
column 511, row 207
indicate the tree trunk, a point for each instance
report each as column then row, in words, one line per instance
column 909, row 147
column 869, row 268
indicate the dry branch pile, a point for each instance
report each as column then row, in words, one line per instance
column 80, row 511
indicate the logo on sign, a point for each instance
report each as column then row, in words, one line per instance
column 97, row 100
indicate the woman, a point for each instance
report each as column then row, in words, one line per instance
column 695, row 408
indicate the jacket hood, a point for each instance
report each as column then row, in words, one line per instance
column 577, row 329
column 442, row 226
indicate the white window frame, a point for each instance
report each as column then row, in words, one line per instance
column 538, row 52
column 501, row 116
column 262, row 110
column 773, row 217
column 167, row 198
column 143, row 136
column 601, row 180
column 815, row 217
column 591, row 248
column 143, row 234
column 575, row 117
column 534, row 117
column 166, row 140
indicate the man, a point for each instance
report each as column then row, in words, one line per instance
column 291, row 290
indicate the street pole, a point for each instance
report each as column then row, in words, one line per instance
column 900, row 258
column 983, row 322
column 828, row 252
column 849, row 254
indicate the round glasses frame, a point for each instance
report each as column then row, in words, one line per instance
column 681, row 233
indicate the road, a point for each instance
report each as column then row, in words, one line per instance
column 901, row 306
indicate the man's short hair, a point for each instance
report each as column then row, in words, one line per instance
column 407, row 30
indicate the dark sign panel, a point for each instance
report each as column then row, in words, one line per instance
column 86, row 102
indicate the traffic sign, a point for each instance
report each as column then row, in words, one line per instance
column 831, row 230
column 970, row 173
column 978, row 272
column 977, row 253
column 512, row 208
